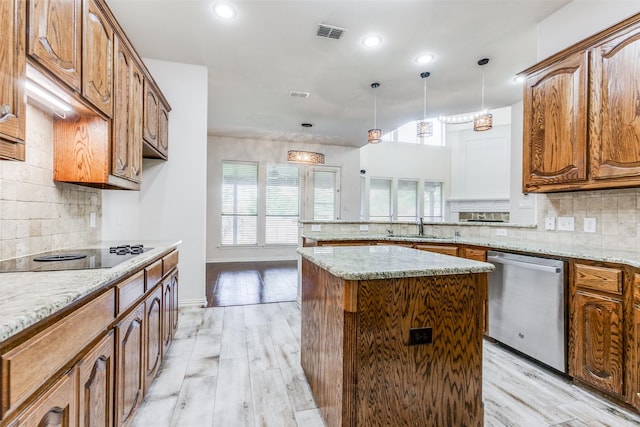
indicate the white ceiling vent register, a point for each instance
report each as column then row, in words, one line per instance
column 298, row 94
column 330, row 31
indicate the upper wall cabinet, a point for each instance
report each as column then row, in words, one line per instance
column 54, row 38
column 156, row 113
column 582, row 115
column 97, row 58
column 12, row 74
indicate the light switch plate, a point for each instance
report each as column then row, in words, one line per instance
column 92, row 220
column 550, row 223
column 566, row 223
column 316, row 227
column 589, row 225
column 501, row 232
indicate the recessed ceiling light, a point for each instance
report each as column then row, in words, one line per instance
column 372, row 40
column 424, row 58
column 224, row 11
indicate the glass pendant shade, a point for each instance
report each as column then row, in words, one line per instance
column 374, row 136
column 425, row 129
column 483, row 122
column 306, row 157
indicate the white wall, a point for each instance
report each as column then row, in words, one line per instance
column 579, row 20
column 264, row 152
column 171, row 204
column 522, row 207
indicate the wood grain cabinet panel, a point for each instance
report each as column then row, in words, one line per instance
column 97, row 57
column 440, row 249
column 12, row 74
column 163, row 131
column 555, row 133
column 167, row 314
column 129, row 291
column 615, row 108
column 634, row 348
column 598, row 278
column 130, row 365
column 478, row 254
column 96, row 384
column 151, row 114
column 153, row 336
column 54, row 38
column 174, row 304
column 56, row 408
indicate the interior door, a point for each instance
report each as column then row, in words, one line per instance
column 323, row 191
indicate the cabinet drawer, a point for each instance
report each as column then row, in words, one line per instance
column 598, row 278
column 169, row 262
column 476, row 254
column 445, row 250
column 153, row 274
column 32, row 363
column 129, row 291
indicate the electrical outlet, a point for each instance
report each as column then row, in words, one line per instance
column 589, row 225
column 316, row 227
column 550, row 223
column 566, row 223
column 364, row 227
column 418, row 336
column 501, row 232
column 92, row 220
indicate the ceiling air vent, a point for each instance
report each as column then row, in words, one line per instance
column 329, row 31
column 298, row 94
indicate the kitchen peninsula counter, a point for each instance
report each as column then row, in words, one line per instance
column 392, row 335
column 29, row 297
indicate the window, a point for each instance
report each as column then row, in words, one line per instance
column 326, row 181
column 433, row 201
column 239, row 203
column 407, row 200
column 380, row 199
column 281, row 203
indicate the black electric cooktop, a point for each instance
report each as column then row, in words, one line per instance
column 73, row 259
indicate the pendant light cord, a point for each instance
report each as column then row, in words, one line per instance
column 424, row 114
column 375, row 109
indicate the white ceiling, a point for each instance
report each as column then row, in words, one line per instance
column 272, row 48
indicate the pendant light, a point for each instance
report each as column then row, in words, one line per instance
column 485, row 120
column 374, row 135
column 425, row 128
column 306, row 157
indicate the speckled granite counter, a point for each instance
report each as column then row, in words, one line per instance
column 388, row 262
column 631, row 258
column 26, row 298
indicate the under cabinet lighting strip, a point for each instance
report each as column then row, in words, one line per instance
column 43, row 95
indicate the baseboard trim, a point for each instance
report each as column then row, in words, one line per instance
column 195, row 302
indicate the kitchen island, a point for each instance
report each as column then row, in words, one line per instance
column 392, row 336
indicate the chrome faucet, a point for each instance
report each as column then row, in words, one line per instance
column 420, row 227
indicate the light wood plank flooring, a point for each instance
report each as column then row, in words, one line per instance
column 240, row 366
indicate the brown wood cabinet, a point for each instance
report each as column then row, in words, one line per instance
column 440, row 249
column 634, row 356
column 12, row 74
column 127, row 118
column 97, row 57
column 56, row 408
column 596, row 349
column 153, row 336
column 130, row 369
column 163, row 130
column 151, row 115
column 480, row 254
column 580, row 114
column 96, row 384
column 54, row 38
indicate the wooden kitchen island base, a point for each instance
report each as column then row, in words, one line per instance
column 357, row 358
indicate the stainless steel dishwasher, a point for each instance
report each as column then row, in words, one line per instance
column 527, row 306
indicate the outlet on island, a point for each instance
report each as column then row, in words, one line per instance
column 419, row 336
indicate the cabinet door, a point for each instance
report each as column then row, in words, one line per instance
column 615, row 108
column 151, row 114
column 97, row 58
column 555, row 133
column 96, row 377
column 12, row 74
column 54, row 38
column 174, row 305
column 163, row 131
column 167, row 314
column 130, row 361
column 136, row 105
column 153, row 336
column 635, row 359
column 597, row 342
column 56, row 408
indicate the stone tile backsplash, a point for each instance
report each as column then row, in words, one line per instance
column 36, row 213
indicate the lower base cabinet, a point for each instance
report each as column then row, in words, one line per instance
column 56, row 408
column 96, row 379
column 129, row 383
column 153, row 336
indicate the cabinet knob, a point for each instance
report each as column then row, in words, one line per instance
column 5, row 113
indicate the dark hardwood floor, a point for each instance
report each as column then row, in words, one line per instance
column 244, row 283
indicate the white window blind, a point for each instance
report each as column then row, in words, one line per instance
column 239, row 203
column 380, row 199
column 407, row 200
column 324, row 195
column 282, row 201
column 433, row 201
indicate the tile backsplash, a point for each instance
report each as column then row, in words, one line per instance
column 36, row 213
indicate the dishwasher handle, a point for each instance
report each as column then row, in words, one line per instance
column 530, row 266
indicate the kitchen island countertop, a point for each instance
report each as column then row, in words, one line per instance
column 28, row 297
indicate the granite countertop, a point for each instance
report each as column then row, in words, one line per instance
column 388, row 262
column 28, row 297
column 628, row 257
